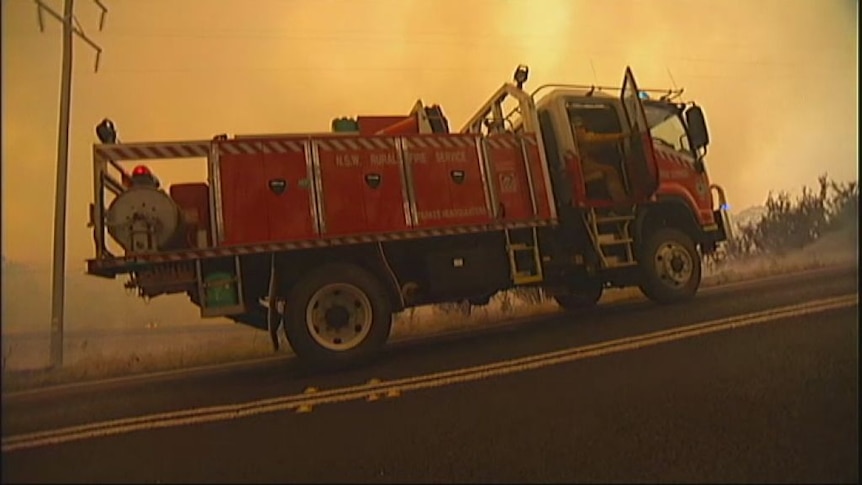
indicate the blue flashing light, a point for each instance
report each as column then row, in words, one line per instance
column 725, row 207
column 643, row 95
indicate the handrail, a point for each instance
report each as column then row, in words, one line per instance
column 669, row 93
column 494, row 106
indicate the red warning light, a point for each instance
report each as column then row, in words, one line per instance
column 141, row 170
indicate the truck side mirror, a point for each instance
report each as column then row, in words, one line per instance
column 697, row 131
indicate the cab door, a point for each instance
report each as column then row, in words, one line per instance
column 641, row 163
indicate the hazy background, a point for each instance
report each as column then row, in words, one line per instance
column 777, row 78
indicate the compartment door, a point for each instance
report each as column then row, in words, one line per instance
column 382, row 182
column 447, row 180
column 288, row 190
column 362, row 185
column 243, row 194
column 342, row 193
column 509, row 177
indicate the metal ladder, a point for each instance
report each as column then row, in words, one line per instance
column 519, row 243
column 618, row 236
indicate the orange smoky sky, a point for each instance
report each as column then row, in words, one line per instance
column 777, row 78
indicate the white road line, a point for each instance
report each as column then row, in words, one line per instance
column 235, row 411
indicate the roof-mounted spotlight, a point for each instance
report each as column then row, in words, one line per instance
column 521, row 74
column 106, row 131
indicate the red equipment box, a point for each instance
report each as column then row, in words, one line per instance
column 511, row 181
column 362, row 186
column 448, row 184
column 267, row 185
column 266, row 191
column 370, row 125
column 193, row 200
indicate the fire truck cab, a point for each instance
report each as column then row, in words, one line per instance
column 668, row 214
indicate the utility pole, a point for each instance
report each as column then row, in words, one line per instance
column 58, row 286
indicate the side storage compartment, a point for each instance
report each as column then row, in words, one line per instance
column 289, row 190
column 266, row 191
column 362, row 187
column 467, row 267
column 449, row 183
column 243, row 194
column 193, row 199
column 516, row 174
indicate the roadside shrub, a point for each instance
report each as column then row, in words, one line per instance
column 790, row 224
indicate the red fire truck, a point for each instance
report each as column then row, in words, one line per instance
column 329, row 234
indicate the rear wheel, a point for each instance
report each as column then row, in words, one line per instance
column 338, row 313
column 583, row 296
column 671, row 266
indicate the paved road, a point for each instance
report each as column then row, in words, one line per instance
column 633, row 392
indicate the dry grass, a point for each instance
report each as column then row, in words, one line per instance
column 97, row 359
column 107, row 361
column 838, row 249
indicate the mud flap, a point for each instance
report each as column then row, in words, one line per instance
column 273, row 318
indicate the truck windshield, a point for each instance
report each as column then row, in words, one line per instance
column 666, row 127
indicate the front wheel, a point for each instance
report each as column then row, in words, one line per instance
column 671, row 266
column 336, row 314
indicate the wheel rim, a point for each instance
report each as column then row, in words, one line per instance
column 338, row 316
column 673, row 264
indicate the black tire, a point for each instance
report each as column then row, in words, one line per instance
column 581, row 298
column 671, row 266
column 343, row 332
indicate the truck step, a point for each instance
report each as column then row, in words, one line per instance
column 613, row 241
column 606, row 219
column 616, row 262
column 524, row 279
column 522, row 271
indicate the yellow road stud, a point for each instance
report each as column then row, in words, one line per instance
column 306, row 408
column 373, row 396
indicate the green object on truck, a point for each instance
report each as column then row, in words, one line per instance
column 220, row 290
column 341, row 125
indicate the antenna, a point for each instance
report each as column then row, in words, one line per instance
column 595, row 77
column 672, row 82
column 671, row 93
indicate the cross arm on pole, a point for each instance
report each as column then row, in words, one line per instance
column 75, row 30
column 102, row 16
